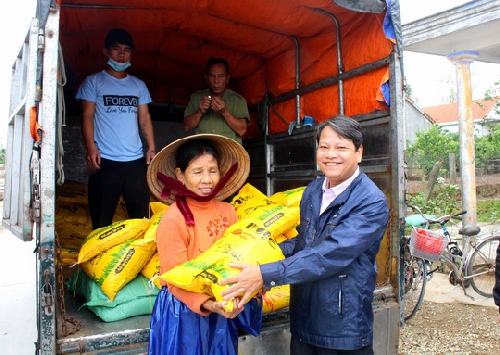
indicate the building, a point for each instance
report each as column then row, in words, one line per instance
column 484, row 114
column 415, row 121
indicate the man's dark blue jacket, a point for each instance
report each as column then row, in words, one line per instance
column 331, row 267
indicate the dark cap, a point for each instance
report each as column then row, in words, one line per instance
column 118, row 35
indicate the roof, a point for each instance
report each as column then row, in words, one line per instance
column 448, row 113
column 473, row 26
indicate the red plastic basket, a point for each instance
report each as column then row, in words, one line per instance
column 427, row 244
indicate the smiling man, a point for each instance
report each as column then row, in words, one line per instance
column 330, row 265
column 217, row 109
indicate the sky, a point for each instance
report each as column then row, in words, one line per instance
column 430, row 77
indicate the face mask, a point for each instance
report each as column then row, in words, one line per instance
column 118, row 66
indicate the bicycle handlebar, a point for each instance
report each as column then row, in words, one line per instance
column 439, row 220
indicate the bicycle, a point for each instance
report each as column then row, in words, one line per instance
column 474, row 265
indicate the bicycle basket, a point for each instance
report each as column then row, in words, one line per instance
column 427, row 244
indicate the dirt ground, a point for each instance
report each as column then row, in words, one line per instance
column 458, row 329
column 487, row 186
column 454, row 328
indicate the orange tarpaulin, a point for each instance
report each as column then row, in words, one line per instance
column 260, row 39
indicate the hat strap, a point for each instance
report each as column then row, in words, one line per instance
column 174, row 186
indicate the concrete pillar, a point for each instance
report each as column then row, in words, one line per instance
column 462, row 62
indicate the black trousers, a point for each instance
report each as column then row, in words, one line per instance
column 115, row 179
column 300, row 348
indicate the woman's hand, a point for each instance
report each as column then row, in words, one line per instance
column 218, row 307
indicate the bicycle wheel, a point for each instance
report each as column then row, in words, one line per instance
column 415, row 280
column 482, row 264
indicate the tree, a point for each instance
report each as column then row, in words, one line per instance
column 488, row 147
column 493, row 92
column 432, row 146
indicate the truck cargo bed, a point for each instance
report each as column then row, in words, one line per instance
column 98, row 337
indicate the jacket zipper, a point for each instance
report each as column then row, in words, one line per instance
column 341, row 294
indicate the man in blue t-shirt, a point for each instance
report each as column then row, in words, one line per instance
column 115, row 114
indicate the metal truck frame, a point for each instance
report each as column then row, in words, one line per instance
column 280, row 160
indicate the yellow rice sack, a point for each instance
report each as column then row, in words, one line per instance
column 276, row 298
column 275, row 219
column 152, row 270
column 72, row 192
column 154, row 222
column 72, row 236
column 157, row 207
column 68, row 256
column 291, row 233
column 72, row 213
column 247, row 193
column 241, row 245
column 248, row 200
column 116, row 233
column 289, row 197
column 280, row 238
column 117, row 266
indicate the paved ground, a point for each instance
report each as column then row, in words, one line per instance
column 439, row 289
column 17, row 290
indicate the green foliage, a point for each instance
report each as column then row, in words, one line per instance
column 491, row 93
column 488, row 211
column 2, row 156
column 434, row 145
column 488, row 147
column 408, row 91
column 444, row 199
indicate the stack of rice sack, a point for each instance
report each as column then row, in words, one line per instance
column 110, row 262
column 73, row 222
column 263, row 223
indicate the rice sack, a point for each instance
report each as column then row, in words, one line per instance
column 275, row 219
column 107, row 237
column 248, row 200
column 153, row 226
column 117, row 266
column 157, row 207
column 243, row 244
column 276, row 298
column 152, row 270
column 288, row 197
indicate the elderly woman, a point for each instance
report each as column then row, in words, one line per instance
column 197, row 173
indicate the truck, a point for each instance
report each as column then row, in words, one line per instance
column 289, row 59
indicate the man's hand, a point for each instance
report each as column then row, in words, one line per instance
column 218, row 105
column 149, row 156
column 205, row 104
column 93, row 159
column 246, row 284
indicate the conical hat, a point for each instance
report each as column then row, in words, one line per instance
column 229, row 151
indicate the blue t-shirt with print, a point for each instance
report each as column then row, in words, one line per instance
column 116, row 126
